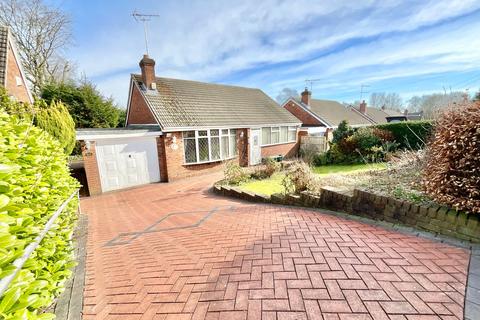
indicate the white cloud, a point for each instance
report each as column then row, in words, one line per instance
column 217, row 39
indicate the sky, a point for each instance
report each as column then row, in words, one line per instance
column 408, row 47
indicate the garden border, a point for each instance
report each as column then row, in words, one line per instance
column 342, row 201
column 432, row 218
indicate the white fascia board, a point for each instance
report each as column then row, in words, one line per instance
column 90, row 137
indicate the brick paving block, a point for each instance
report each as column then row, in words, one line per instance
column 334, row 306
column 256, row 260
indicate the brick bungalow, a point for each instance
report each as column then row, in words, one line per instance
column 181, row 128
column 321, row 116
column 12, row 77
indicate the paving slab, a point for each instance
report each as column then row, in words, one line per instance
column 176, row 251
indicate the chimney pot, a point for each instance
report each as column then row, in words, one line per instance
column 147, row 65
column 363, row 107
column 306, row 97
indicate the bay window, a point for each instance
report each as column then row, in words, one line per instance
column 209, row 145
column 276, row 135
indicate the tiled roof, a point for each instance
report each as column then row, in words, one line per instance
column 380, row 116
column 334, row 112
column 3, row 53
column 181, row 104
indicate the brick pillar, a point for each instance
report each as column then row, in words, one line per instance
column 300, row 133
column 162, row 159
column 243, row 147
column 91, row 168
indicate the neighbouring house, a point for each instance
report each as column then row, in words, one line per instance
column 406, row 116
column 12, row 77
column 323, row 116
column 181, row 128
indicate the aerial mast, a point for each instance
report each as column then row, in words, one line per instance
column 144, row 18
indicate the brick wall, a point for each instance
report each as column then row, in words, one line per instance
column 288, row 150
column 13, row 71
column 91, row 169
column 139, row 113
column 301, row 114
column 174, row 156
column 162, row 160
column 243, row 146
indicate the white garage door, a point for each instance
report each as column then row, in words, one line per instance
column 127, row 162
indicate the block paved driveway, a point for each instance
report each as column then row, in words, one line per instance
column 174, row 251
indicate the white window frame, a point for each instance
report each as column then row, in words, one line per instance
column 209, row 138
column 278, row 130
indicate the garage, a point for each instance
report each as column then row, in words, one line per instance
column 120, row 158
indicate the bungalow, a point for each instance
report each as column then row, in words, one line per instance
column 12, row 77
column 321, row 116
column 180, row 128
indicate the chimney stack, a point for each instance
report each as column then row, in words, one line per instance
column 147, row 65
column 306, row 96
column 363, row 107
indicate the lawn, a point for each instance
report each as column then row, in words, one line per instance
column 274, row 184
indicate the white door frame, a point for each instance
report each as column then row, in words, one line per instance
column 255, row 146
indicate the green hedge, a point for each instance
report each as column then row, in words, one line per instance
column 34, row 182
column 410, row 134
column 54, row 118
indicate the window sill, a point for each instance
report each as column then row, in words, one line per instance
column 206, row 162
column 276, row 144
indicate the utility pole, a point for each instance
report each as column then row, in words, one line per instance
column 144, row 18
column 363, row 86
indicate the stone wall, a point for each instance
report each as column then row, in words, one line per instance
column 432, row 218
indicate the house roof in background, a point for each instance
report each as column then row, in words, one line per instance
column 380, row 115
column 3, row 54
column 334, row 112
column 183, row 104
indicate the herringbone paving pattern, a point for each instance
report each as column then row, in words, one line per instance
column 150, row 258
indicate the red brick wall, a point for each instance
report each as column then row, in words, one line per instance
column 174, row 157
column 162, row 160
column 288, row 150
column 91, row 169
column 243, row 146
column 301, row 114
column 139, row 113
column 13, row 71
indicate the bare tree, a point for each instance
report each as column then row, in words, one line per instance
column 285, row 94
column 390, row 100
column 41, row 33
column 432, row 104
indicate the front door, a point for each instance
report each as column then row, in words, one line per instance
column 255, row 149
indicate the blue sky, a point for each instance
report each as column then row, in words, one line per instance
column 409, row 47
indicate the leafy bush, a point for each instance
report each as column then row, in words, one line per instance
column 452, row 174
column 54, row 118
column 412, row 135
column 363, row 145
column 234, row 174
column 343, row 130
column 34, row 182
column 299, row 177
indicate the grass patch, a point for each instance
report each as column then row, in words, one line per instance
column 274, row 183
column 347, row 168
column 267, row 186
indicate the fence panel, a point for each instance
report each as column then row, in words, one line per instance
column 315, row 143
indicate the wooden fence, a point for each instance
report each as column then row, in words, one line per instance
column 314, row 143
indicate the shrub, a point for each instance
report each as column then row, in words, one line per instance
column 34, row 182
column 53, row 118
column 452, row 174
column 299, row 177
column 234, row 174
column 343, row 130
column 271, row 166
column 412, row 135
